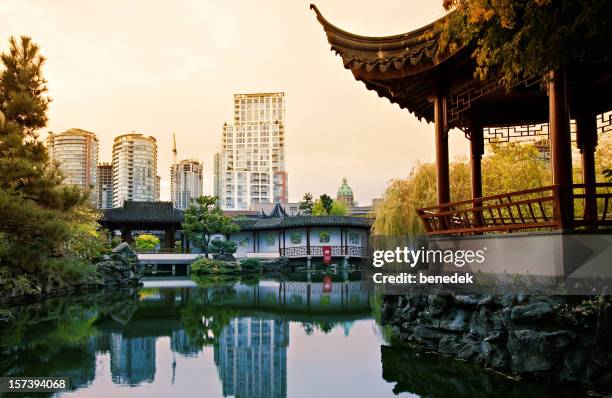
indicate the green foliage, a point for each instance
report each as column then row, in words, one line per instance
column 324, row 237
column 296, row 238
column 203, row 218
column 325, row 205
column 518, row 39
column 338, row 209
column 35, row 209
column 508, row 167
column 87, row 241
column 223, row 247
column 306, row 203
column 146, row 242
column 251, row 265
column 326, row 202
column 203, row 266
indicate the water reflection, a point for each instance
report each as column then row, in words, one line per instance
column 251, row 357
column 298, row 336
column 245, row 323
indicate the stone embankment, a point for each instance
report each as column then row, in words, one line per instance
column 120, row 268
column 564, row 338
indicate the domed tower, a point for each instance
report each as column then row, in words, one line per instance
column 345, row 194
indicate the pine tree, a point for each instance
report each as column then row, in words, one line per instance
column 34, row 207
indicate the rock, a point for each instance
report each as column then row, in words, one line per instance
column 531, row 312
column 466, row 300
column 456, row 322
column 450, row 344
column 437, row 304
column 469, row 351
column 425, row 332
column 122, row 248
column 494, row 355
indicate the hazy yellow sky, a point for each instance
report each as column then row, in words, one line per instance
column 163, row 67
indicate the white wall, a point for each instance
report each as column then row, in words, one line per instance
column 334, row 239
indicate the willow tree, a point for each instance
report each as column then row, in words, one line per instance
column 507, row 168
column 34, row 206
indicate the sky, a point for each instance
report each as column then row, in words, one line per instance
column 163, row 67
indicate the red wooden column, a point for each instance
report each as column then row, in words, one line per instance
column 441, row 149
column 586, row 140
column 560, row 148
column 476, row 152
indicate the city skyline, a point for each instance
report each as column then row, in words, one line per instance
column 179, row 79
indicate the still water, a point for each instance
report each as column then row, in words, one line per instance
column 297, row 336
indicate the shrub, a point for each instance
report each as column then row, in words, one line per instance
column 202, row 266
column 251, row 265
column 223, row 247
column 147, row 242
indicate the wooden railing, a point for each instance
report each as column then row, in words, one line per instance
column 303, row 251
column 532, row 209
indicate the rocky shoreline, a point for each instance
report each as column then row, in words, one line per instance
column 118, row 269
column 566, row 339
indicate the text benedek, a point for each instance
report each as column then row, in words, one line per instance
column 420, row 278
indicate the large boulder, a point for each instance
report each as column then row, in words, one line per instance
column 531, row 312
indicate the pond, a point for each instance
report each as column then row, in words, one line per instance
column 302, row 335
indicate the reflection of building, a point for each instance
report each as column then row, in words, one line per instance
column 251, row 357
column 251, row 164
column 76, row 151
column 134, row 168
column 185, row 182
column 181, row 344
column 345, row 195
column 105, row 185
column 132, row 359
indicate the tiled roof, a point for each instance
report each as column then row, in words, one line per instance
column 154, row 212
column 304, row 221
column 395, row 67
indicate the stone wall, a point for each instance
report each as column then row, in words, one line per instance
column 563, row 338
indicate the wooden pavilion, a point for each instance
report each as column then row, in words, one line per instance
column 440, row 87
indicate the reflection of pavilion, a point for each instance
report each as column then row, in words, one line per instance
column 132, row 359
column 251, row 357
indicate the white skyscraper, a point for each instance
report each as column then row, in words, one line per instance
column 251, row 165
column 185, row 182
column 76, row 152
column 134, row 168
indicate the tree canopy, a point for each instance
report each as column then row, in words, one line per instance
column 519, row 39
column 203, row 218
column 306, row 203
column 325, row 205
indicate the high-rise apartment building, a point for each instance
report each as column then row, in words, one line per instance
column 157, row 187
column 76, row 152
column 134, row 168
column 105, row 185
column 186, row 182
column 252, row 157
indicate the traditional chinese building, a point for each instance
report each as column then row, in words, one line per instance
column 438, row 86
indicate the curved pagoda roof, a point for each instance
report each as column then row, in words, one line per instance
column 409, row 70
column 398, row 67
